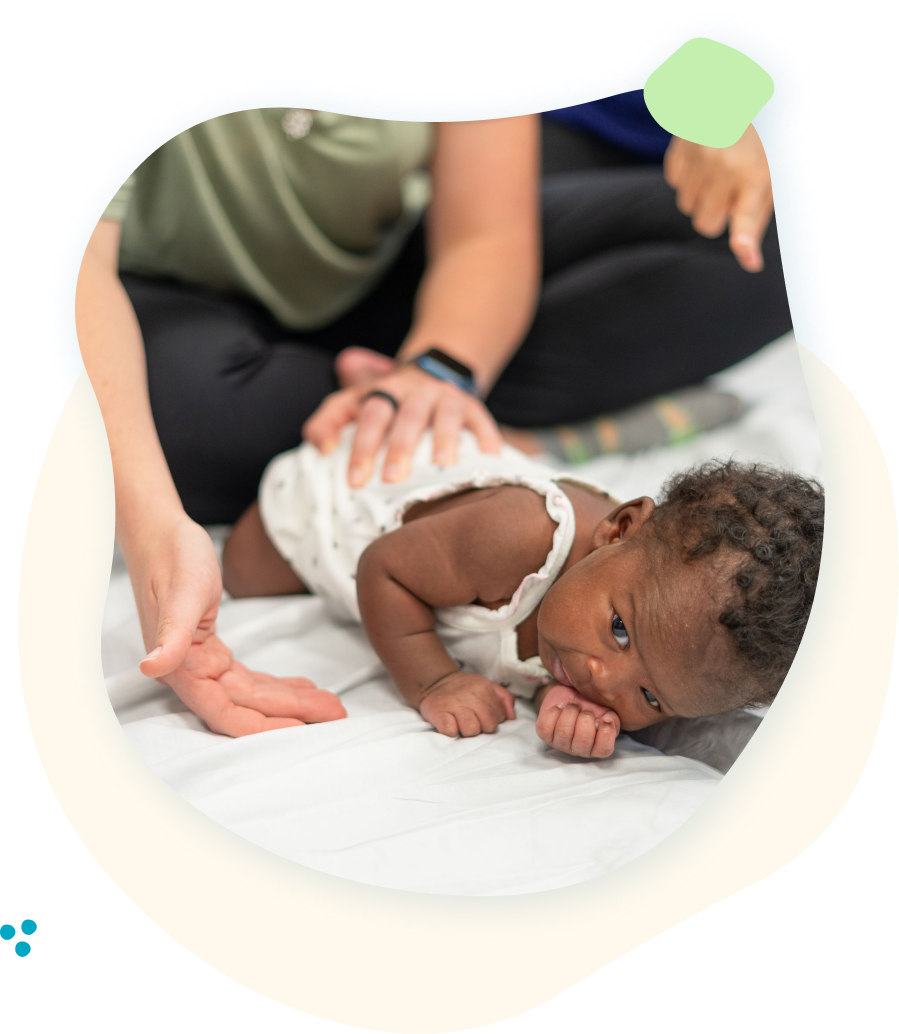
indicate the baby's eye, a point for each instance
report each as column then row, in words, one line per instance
column 650, row 699
column 619, row 631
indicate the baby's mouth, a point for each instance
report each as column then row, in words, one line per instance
column 560, row 674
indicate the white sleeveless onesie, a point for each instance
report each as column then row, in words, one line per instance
column 321, row 526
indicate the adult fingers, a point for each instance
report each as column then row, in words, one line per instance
column 748, row 222
column 209, row 701
column 183, row 613
column 479, row 421
column 281, row 698
column 235, row 720
column 689, row 188
column 323, row 428
column 449, row 417
column 712, row 206
column 375, row 417
column 408, row 426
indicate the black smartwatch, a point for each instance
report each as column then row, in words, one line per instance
column 442, row 366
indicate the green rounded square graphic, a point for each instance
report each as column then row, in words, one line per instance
column 707, row 93
column 706, row 78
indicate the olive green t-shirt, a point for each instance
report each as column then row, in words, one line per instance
column 303, row 211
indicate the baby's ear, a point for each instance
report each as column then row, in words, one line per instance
column 623, row 521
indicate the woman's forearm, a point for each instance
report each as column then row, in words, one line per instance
column 476, row 302
column 113, row 354
column 479, row 293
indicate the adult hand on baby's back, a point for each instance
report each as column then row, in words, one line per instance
column 724, row 186
column 464, row 704
column 575, row 725
column 423, row 400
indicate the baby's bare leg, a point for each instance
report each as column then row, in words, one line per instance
column 251, row 564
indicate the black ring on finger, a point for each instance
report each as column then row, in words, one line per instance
column 381, row 395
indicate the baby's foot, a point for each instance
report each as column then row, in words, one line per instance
column 575, row 725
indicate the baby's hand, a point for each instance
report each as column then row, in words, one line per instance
column 463, row 704
column 575, row 725
column 235, row 701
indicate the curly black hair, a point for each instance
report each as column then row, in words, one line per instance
column 771, row 522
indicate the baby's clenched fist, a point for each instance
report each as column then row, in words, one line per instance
column 463, row 704
column 575, row 725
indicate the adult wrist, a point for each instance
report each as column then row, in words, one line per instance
column 140, row 528
column 446, row 367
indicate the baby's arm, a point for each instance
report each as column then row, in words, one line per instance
column 477, row 552
column 573, row 724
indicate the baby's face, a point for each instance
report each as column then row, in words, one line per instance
column 634, row 629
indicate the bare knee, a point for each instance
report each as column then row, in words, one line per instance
column 251, row 566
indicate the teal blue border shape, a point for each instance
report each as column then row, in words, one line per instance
column 781, row 124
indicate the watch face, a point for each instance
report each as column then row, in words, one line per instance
column 450, row 363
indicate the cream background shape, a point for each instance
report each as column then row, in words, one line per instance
column 406, row 949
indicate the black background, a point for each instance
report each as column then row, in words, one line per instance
column 810, row 932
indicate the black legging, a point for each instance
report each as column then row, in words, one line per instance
column 634, row 303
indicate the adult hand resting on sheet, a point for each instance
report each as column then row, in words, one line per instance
column 178, row 586
column 236, row 701
column 575, row 725
column 465, row 704
column 424, row 401
column 725, row 186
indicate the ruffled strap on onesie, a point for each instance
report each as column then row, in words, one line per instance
column 472, row 617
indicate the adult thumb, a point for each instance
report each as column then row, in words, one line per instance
column 173, row 641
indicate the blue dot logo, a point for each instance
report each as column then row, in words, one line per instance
column 22, row 948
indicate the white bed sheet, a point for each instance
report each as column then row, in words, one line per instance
column 383, row 799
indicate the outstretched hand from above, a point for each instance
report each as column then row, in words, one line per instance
column 720, row 187
column 575, row 725
column 235, row 701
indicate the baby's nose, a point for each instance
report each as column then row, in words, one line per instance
column 607, row 684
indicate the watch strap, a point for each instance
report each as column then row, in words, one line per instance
column 445, row 368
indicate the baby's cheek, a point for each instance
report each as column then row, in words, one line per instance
column 559, row 696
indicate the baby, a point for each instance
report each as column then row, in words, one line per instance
column 498, row 577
